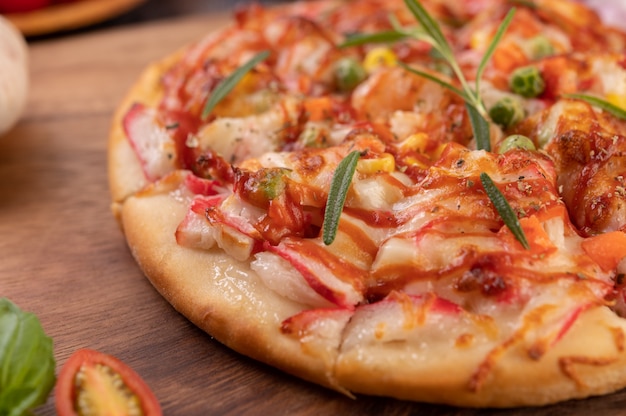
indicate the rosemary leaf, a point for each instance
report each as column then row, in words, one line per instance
column 526, row 3
column 440, row 43
column 480, row 128
column 504, row 209
column 357, row 39
column 600, row 103
column 435, row 79
column 337, row 195
column 430, row 25
column 230, row 82
column 492, row 46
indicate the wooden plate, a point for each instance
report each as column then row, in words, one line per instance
column 67, row 16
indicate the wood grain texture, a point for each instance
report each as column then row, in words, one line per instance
column 64, row 258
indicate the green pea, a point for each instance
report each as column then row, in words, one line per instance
column 515, row 141
column 507, row 112
column 348, row 73
column 527, row 82
column 540, row 47
column 272, row 183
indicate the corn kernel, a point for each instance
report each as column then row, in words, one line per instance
column 412, row 161
column 438, row 151
column 246, row 84
column 379, row 57
column 416, row 142
column 479, row 40
column 618, row 100
column 384, row 163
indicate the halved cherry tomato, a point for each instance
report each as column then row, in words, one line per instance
column 94, row 383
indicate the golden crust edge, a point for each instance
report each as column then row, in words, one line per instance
column 125, row 175
column 201, row 286
column 592, row 350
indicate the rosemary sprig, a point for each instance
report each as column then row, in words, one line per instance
column 337, row 195
column 388, row 36
column 491, row 49
column 600, row 103
column 227, row 84
column 436, row 79
column 435, row 37
column 431, row 33
column 475, row 108
column 504, row 209
column 480, row 127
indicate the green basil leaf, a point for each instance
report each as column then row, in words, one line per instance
column 27, row 365
column 230, row 82
column 357, row 39
column 504, row 209
column 337, row 195
column 600, row 103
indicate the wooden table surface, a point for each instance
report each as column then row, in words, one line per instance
column 63, row 257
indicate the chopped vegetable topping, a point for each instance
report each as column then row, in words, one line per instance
column 379, row 57
column 527, row 82
column 515, row 141
column 540, row 47
column 348, row 73
column 507, row 112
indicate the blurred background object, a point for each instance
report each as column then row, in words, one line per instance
column 612, row 12
column 14, row 70
column 44, row 18
column 40, row 17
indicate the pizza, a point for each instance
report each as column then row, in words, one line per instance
column 421, row 200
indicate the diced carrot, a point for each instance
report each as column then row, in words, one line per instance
column 318, row 108
column 508, row 58
column 535, row 233
column 606, row 249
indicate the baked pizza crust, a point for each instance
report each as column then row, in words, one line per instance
column 221, row 296
column 125, row 174
column 590, row 351
column 226, row 299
